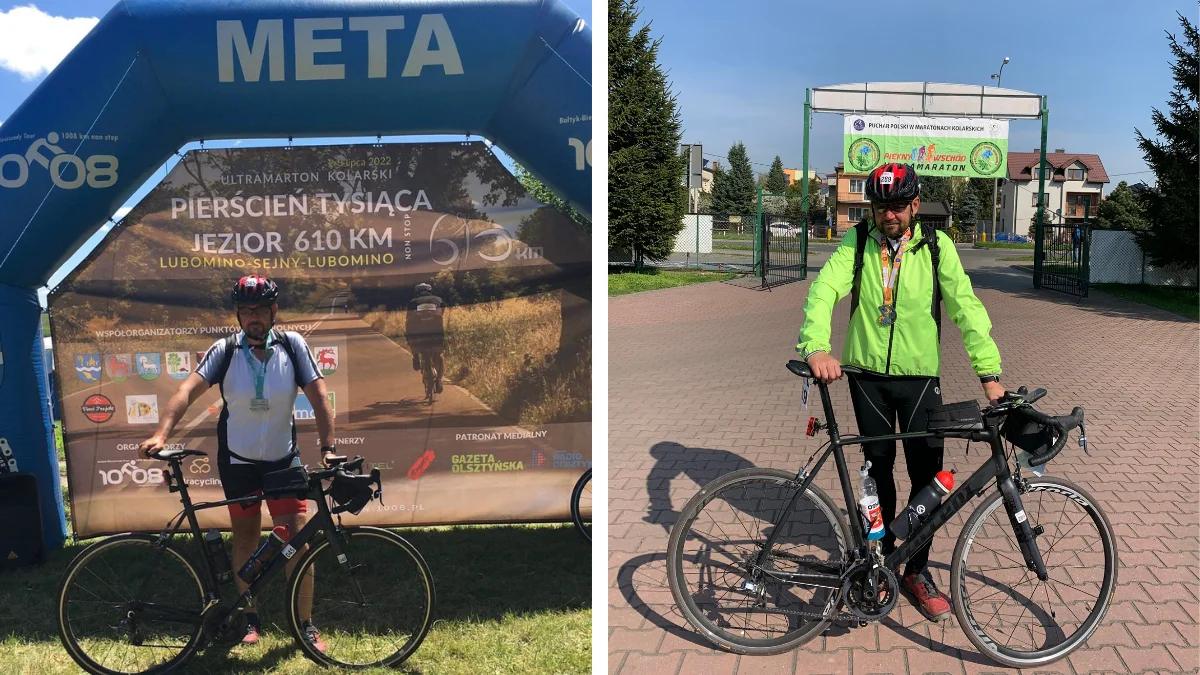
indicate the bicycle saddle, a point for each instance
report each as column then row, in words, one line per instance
column 169, row 455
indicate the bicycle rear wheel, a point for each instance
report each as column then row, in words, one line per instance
column 581, row 504
column 374, row 613
column 721, row 529
column 1010, row 615
column 127, row 605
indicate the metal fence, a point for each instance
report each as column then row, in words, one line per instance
column 1117, row 258
column 784, row 239
column 1063, row 266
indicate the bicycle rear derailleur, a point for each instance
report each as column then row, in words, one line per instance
column 870, row 590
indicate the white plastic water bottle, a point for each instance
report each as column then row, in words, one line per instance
column 868, row 504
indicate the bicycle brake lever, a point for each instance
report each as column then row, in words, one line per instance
column 1083, row 439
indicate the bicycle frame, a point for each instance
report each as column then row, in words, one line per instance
column 322, row 521
column 995, row 468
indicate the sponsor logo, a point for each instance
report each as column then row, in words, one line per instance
column 327, row 359
column 986, row 158
column 355, row 440
column 149, row 366
column 859, row 125
column 420, row 465
column 135, row 473
column 482, row 463
column 539, row 459
column 118, row 367
column 179, row 364
column 87, row 367
column 303, row 409
column 570, row 460
column 98, row 408
column 863, row 155
column 382, row 466
column 200, row 465
column 246, row 49
column 66, row 170
column 142, row 409
column 583, row 152
column 203, row 482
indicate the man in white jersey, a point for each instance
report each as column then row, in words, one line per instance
column 259, row 371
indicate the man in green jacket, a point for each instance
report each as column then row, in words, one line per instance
column 894, row 337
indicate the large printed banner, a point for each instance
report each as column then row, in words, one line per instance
column 935, row 146
column 347, row 231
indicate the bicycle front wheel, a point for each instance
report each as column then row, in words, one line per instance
column 581, row 504
column 1009, row 614
column 372, row 611
column 718, row 535
column 128, row 605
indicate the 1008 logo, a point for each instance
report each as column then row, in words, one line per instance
column 66, row 170
column 136, row 474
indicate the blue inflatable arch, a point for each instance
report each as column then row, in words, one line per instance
column 154, row 75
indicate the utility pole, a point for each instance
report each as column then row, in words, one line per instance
column 996, row 182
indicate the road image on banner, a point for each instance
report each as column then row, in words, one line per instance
column 347, row 232
column 935, row 146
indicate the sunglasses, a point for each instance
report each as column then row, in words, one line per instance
column 893, row 207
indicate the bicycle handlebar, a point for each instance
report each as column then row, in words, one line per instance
column 1064, row 424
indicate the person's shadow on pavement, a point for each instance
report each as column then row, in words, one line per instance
column 701, row 465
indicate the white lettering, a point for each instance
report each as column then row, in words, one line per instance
column 307, row 47
column 376, row 28
column 268, row 42
column 430, row 27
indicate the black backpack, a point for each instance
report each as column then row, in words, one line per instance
column 928, row 238
column 231, row 348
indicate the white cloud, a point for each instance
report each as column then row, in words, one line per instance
column 33, row 42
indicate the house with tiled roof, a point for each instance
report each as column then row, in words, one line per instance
column 1072, row 180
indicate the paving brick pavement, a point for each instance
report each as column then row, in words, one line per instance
column 697, row 388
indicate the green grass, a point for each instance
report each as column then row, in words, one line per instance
column 1184, row 301
column 45, row 325
column 620, row 283
column 733, row 247
column 510, row 599
column 1017, row 257
column 1003, row 244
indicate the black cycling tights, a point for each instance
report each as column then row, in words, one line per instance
column 878, row 401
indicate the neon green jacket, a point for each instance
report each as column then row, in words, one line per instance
column 910, row 347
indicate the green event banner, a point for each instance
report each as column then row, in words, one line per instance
column 934, row 146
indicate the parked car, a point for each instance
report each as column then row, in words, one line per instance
column 782, row 229
column 1012, row 237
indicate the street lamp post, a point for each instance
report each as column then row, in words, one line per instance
column 996, row 182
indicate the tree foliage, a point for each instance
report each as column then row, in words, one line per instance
column 776, row 179
column 647, row 196
column 1121, row 210
column 736, row 196
column 1171, row 210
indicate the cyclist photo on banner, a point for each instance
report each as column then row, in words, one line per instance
column 259, row 371
column 895, row 339
column 425, row 331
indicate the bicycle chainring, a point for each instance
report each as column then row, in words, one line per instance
column 870, row 591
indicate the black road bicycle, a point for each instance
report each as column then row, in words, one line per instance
column 762, row 560
column 427, row 376
column 581, row 504
column 139, row 603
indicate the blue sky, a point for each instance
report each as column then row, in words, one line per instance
column 741, row 74
column 32, row 41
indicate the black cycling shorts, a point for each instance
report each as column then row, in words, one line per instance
column 242, row 480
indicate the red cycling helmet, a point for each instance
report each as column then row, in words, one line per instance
column 893, row 182
column 255, row 290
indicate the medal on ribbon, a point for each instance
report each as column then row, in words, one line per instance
column 890, row 272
